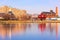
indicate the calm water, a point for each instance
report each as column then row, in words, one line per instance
column 30, row 31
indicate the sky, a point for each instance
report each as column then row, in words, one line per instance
column 32, row 6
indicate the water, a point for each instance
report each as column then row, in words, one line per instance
column 30, row 31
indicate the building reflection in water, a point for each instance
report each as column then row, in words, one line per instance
column 5, row 30
column 20, row 28
column 56, row 31
column 51, row 27
column 54, row 27
column 42, row 27
column 11, row 29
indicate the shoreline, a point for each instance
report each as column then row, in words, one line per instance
column 30, row 21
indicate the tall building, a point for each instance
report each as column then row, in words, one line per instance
column 56, row 11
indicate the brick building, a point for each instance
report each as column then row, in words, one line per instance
column 51, row 13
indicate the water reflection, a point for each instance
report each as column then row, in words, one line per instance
column 16, row 30
column 19, row 29
column 42, row 26
column 51, row 27
column 5, row 30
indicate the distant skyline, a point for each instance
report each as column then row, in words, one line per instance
column 32, row 6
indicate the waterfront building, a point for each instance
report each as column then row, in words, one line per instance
column 51, row 14
column 12, row 16
column 34, row 16
column 4, row 16
column 13, row 13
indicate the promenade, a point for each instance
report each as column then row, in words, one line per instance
column 31, row 21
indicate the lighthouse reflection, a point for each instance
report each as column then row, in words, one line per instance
column 15, row 29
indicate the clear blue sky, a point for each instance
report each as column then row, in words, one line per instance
column 32, row 6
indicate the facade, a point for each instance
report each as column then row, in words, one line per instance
column 34, row 17
column 13, row 13
column 51, row 14
column 9, row 16
column 4, row 16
